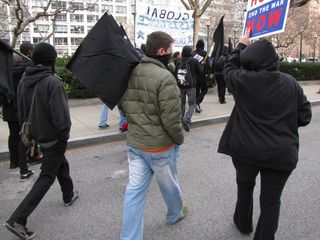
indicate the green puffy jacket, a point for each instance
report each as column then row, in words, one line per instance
column 152, row 106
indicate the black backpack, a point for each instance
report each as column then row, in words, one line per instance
column 183, row 74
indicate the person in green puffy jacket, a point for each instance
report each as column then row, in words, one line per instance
column 151, row 105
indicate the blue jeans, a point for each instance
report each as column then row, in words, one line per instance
column 103, row 116
column 142, row 166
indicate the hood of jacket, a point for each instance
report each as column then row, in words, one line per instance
column 34, row 74
column 186, row 51
column 261, row 55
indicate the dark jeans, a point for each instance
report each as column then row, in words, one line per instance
column 18, row 151
column 201, row 91
column 221, row 87
column 272, row 184
column 54, row 164
column 191, row 94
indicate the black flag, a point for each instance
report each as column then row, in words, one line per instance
column 6, row 82
column 218, row 39
column 104, row 60
column 230, row 46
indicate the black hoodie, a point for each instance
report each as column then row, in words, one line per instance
column 195, row 66
column 269, row 108
column 50, row 117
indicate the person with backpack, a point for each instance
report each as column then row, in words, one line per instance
column 218, row 72
column 202, row 86
column 186, row 73
column 17, row 150
column 50, row 128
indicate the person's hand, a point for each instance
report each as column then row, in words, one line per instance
column 245, row 39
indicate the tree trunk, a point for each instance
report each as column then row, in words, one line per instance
column 196, row 27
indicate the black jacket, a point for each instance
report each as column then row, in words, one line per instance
column 50, row 117
column 10, row 108
column 269, row 108
column 195, row 66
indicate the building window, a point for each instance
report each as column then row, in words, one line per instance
column 77, row 29
column 89, row 28
column 61, row 29
column 121, row 1
column 59, row 4
column 92, row 7
column 76, row 6
column 121, row 19
column 105, row 8
column 61, row 41
column 76, row 41
column 61, row 18
column 219, row 2
column 39, row 3
column 76, row 17
column 92, row 18
column 121, row 9
column 36, row 40
column 41, row 28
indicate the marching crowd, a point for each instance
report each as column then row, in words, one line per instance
column 261, row 136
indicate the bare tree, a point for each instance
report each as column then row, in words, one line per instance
column 19, row 16
column 198, row 10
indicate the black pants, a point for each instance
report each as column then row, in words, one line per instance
column 201, row 91
column 54, row 164
column 272, row 184
column 18, row 151
column 221, row 87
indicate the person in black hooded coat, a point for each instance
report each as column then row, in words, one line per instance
column 261, row 135
column 50, row 128
column 18, row 152
column 202, row 87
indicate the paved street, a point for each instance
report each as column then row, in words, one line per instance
column 208, row 184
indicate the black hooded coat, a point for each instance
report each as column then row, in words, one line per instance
column 269, row 107
column 50, row 117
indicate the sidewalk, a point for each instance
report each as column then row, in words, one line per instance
column 85, row 118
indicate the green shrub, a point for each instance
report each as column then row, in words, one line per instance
column 301, row 71
column 73, row 87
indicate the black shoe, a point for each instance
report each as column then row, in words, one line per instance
column 73, row 199
column 185, row 126
column 20, row 231
column 246, row 231
column 104, row 126
column 198, row 108
column 26, row 176
column 223, row 102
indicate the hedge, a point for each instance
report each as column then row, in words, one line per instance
column 75, row 89
column 301, row 71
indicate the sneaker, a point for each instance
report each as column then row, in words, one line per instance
column 185, row 125
column 20, row 231
column 26, row 176
column 185, row 211
column 104, row 126
column 73, row 199
column 198, row 108
column 124, row 127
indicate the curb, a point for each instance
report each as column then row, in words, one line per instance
column 116, row 136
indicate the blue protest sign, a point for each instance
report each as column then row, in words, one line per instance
column 266, row 17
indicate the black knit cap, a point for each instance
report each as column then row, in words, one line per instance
column 44, row 54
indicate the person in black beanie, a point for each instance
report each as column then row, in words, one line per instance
column 202, row 87
column 50, row 128
column 18, row 152
column 262, row 135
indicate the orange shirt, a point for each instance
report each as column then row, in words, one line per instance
column 156, row 150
